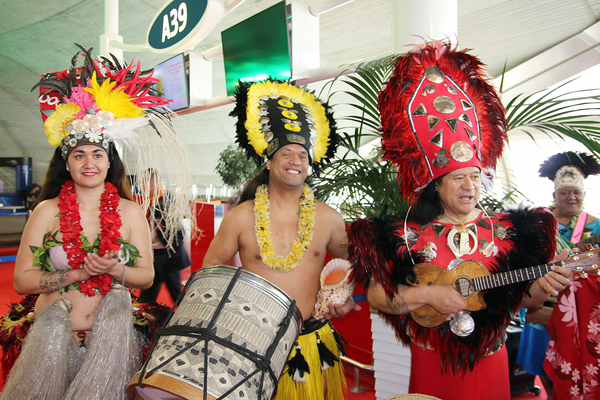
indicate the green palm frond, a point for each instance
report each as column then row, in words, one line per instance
column 361, row 186
column 365, row 85
column 573, row 114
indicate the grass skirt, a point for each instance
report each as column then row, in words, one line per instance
column 313, row 387
column 52, row 365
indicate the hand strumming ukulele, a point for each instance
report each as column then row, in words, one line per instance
column 471, row 278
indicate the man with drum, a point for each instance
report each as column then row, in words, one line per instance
column 280, row 230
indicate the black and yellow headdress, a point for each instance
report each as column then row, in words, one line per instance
column 272, row 114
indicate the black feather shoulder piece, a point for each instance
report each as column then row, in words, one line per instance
column 534, row 240
column 373, row 246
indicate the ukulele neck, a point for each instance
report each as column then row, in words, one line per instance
column 510, row 277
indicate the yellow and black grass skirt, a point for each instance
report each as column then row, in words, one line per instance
column 314, row 357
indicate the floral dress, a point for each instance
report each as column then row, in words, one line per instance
column 573, row 355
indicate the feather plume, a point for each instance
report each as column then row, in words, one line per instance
column 124, row 130
column 585, row 162
column 398, row 141
column 328, row 359
column 297, row 366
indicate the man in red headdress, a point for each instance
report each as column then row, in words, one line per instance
column 443, row 127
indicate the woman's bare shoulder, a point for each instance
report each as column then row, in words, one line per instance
column 128, row 206
column 131, row 215
column 43, row 219
column 46, row 204
column 46, row 209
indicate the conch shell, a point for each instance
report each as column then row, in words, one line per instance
column 336, row 287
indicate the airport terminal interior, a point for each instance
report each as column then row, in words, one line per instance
column 529, row 48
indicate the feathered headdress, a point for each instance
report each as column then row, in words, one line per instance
column 438, row 114
column 95, row 103
column 271, row 114
column 101, row 102
column 569, row 169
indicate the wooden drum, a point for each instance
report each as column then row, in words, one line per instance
column 229, row 337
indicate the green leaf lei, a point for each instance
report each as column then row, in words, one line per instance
column 41, row 255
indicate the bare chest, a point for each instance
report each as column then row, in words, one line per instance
column 284, row 234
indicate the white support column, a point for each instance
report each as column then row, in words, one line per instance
column 416, row 21
column 111, row 30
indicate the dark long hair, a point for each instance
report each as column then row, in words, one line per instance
column 429, row 204
column 57, row 175
column 248, row 192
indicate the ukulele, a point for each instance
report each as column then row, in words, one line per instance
column 471, row 278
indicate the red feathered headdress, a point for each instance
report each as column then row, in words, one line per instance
column 438, row 114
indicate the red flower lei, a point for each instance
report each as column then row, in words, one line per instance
column 70, row 226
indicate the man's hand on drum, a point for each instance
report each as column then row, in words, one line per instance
column 337, row 311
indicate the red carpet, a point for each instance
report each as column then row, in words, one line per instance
column 8, row 251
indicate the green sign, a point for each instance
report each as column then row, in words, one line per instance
column 177, row 22
column 257, row 48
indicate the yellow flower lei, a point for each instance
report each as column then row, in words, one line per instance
column 262, row 226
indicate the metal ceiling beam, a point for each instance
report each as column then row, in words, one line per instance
column 554, row 65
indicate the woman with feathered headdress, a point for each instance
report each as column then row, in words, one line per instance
column 568, row 172
column 443, row 127
column 86, row 242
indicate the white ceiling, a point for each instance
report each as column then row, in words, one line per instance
column 37, row 37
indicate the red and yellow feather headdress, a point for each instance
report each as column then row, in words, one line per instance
column 96, row 103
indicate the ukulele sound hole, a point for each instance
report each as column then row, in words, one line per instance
column 464, row 286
